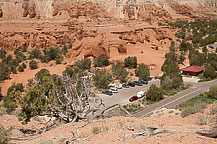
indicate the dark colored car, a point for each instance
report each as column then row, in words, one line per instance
column 133, row 98
column 144, row 82
column 132, row 84
column 125, row 86
column 107, row 92
column 139, row 83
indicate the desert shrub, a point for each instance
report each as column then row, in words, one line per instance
column 68, row 71
column 4, row 135
column 2, row 54
column 96, row 130
column 83, row 64
column 212, row 93
column 102, row 61
column 4, row 72
column 22, row 67
column 142, row 72
column 119, row 72
column 154, row 94
column 53, row 53
column 209, row 72
column 214, row 110
column 198, row 107
column 24, row 49
column 201, row 120
column 33, row 64
column 130, row 62
column 102, row 79
column 70, row 46
column 35, row 53
column 64, row 50
column 58, row 61
column 10, row 101
column 41, row 74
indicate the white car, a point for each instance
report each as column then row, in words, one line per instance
column 140, row 94
column 114, row 90
column 118, row 86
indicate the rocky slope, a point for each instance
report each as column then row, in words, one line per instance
column 94, row 27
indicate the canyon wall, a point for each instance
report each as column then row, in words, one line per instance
column 94, row 27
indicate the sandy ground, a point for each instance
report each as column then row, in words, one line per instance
column 113, row 128
column 23, row 77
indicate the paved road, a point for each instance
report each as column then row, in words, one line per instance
column 177, row 99
column 123, row 95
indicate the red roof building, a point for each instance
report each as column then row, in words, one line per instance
column 193, row 70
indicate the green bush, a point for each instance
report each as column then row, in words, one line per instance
column 209, row 72
column 4, row 72
column 33, row 64
column 2, row 54
column 119, row 72
column 4, row 135
column 102, row 79
column 96, row 130
column 212, row 93
column 201, row 120
column 22, row 67
column 142, row 72
column 102, row 61
column 154, row 94
column 83, row 64
column 35, row 53
column 198, row 107
column 130, row 62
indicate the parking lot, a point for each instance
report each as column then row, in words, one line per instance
column 123, row 95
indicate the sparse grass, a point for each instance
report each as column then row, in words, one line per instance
column 4, row 135
column 214, row 110
column 202, row 98
column 133, row 108
column 96, row 130
column 198, row 107
column 201, row 120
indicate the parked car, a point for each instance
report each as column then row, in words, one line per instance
column 114, row 90
column 144, row 82
column 133, row 98
column 139, row 83
column 132, row 84
column 140, row 94
column 108, row 92
column 125, row 85
column 118, row 86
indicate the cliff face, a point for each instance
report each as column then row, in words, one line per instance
column 94, row 27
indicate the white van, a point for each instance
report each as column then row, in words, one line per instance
column 140, row 94
column 114, row 90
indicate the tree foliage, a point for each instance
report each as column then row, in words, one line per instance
column 102, row 79
column 209, row 72
column 212, row 93
column 4, row 135
column 130, row 62
column 102, row 61
column 142, row 72
column 35, row 53
column 83, row 64
column 154, row 94
column 33, row 64
column 119, row 72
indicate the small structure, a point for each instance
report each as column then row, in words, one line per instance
column 193, row 70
